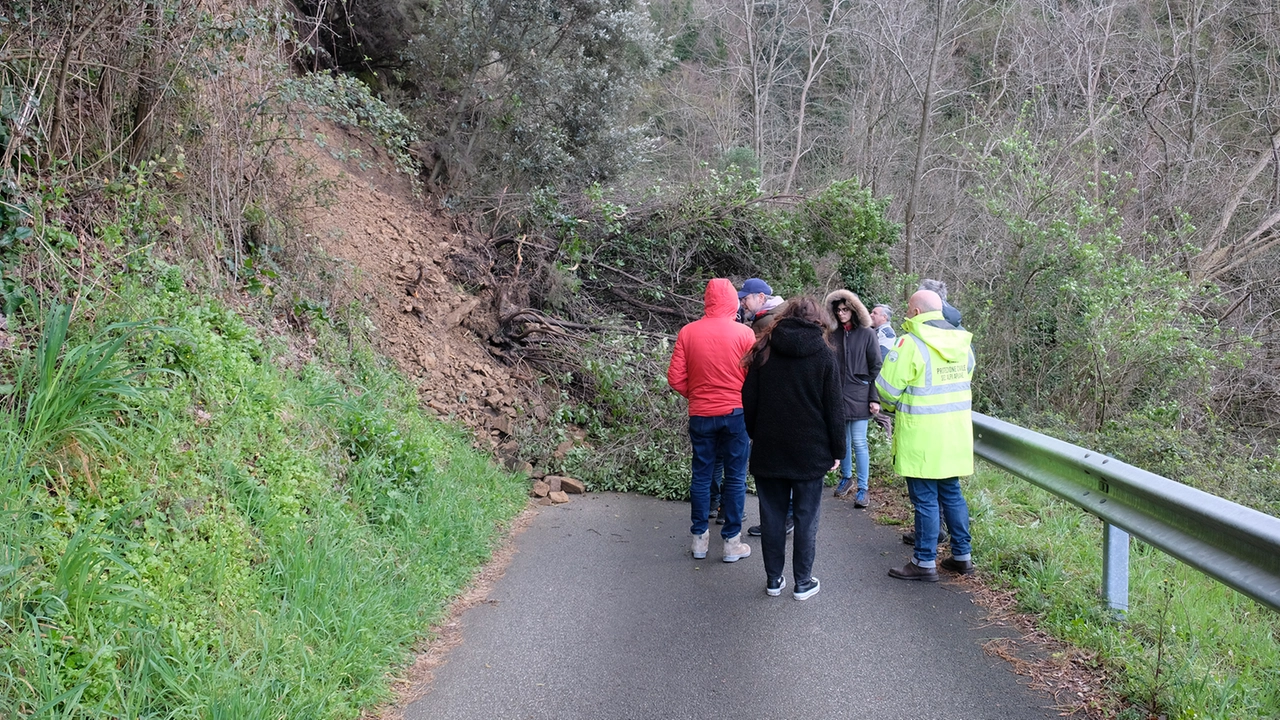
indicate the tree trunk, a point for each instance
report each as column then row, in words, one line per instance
column 922, row 144
column 148, row 99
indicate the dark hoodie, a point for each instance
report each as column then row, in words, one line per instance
column 792, row 404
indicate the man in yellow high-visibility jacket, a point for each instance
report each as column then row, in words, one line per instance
column 925, row 382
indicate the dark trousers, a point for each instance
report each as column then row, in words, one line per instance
column 805, row 496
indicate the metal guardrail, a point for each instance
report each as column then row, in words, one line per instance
column 1237, row 545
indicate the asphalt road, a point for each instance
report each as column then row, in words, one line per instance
column 603, row 613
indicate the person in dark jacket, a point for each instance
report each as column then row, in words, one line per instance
column 758, row 306
column 949, row 311
column 759, row 309
column 858, row 359
column 794, row 413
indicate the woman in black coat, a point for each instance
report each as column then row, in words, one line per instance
column 794, row 414
column 858, row 358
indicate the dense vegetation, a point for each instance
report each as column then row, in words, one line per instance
column 1098, row 184
column 192, row 530
column 200, row 518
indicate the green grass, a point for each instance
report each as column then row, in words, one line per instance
column 188, row 530
column 1190, row 647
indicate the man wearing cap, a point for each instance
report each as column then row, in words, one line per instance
column 706, row 367
column 758, row 304
column 925, row 382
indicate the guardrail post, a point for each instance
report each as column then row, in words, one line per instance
column 1115, row 568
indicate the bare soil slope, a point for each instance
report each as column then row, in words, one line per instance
column 407, row 260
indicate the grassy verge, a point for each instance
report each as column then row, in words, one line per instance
column 196, row 524
column 1190, row 648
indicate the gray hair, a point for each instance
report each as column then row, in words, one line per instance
column 888, row 311
column 936, row 286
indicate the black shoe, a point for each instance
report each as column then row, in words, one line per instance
column 754, row 530
column 910, row 538
column 713, row 514
column 719, row 516
column 775, row 585
column 964, row 567
column 912, row 571
column 806, row 589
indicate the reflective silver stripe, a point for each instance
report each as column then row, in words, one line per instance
column 936, row 409
column 939, row 389
column 972, row 360
column 928, row 361
column 882, row 383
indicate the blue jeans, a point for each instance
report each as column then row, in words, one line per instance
column 778, row 496
column 717, row 479
column 721, row 437
column 855, row 449
column 927, row 496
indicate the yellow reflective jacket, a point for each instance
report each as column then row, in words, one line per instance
column 925, row 382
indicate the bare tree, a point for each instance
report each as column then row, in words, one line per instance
column 817, row 37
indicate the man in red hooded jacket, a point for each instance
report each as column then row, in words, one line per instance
column 706, row 368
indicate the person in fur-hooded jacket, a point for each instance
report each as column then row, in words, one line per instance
column 858, row 359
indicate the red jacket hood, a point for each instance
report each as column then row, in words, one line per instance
column 720, row 299
column 706, row 364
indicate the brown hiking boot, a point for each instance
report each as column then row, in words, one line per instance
column 912, row 571
column 964, row 567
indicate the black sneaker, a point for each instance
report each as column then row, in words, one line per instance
column 806, row 589
column 775, row 585
column 754, row 530
column 720, row 515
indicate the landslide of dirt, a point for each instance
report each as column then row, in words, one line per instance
column 420, row 273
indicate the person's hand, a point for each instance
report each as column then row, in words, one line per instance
column 835, row 465
column 875, row 408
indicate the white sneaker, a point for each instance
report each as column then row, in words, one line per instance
column 735, row 549
column 700, row 543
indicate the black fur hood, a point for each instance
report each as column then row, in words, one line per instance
column 797, row 338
